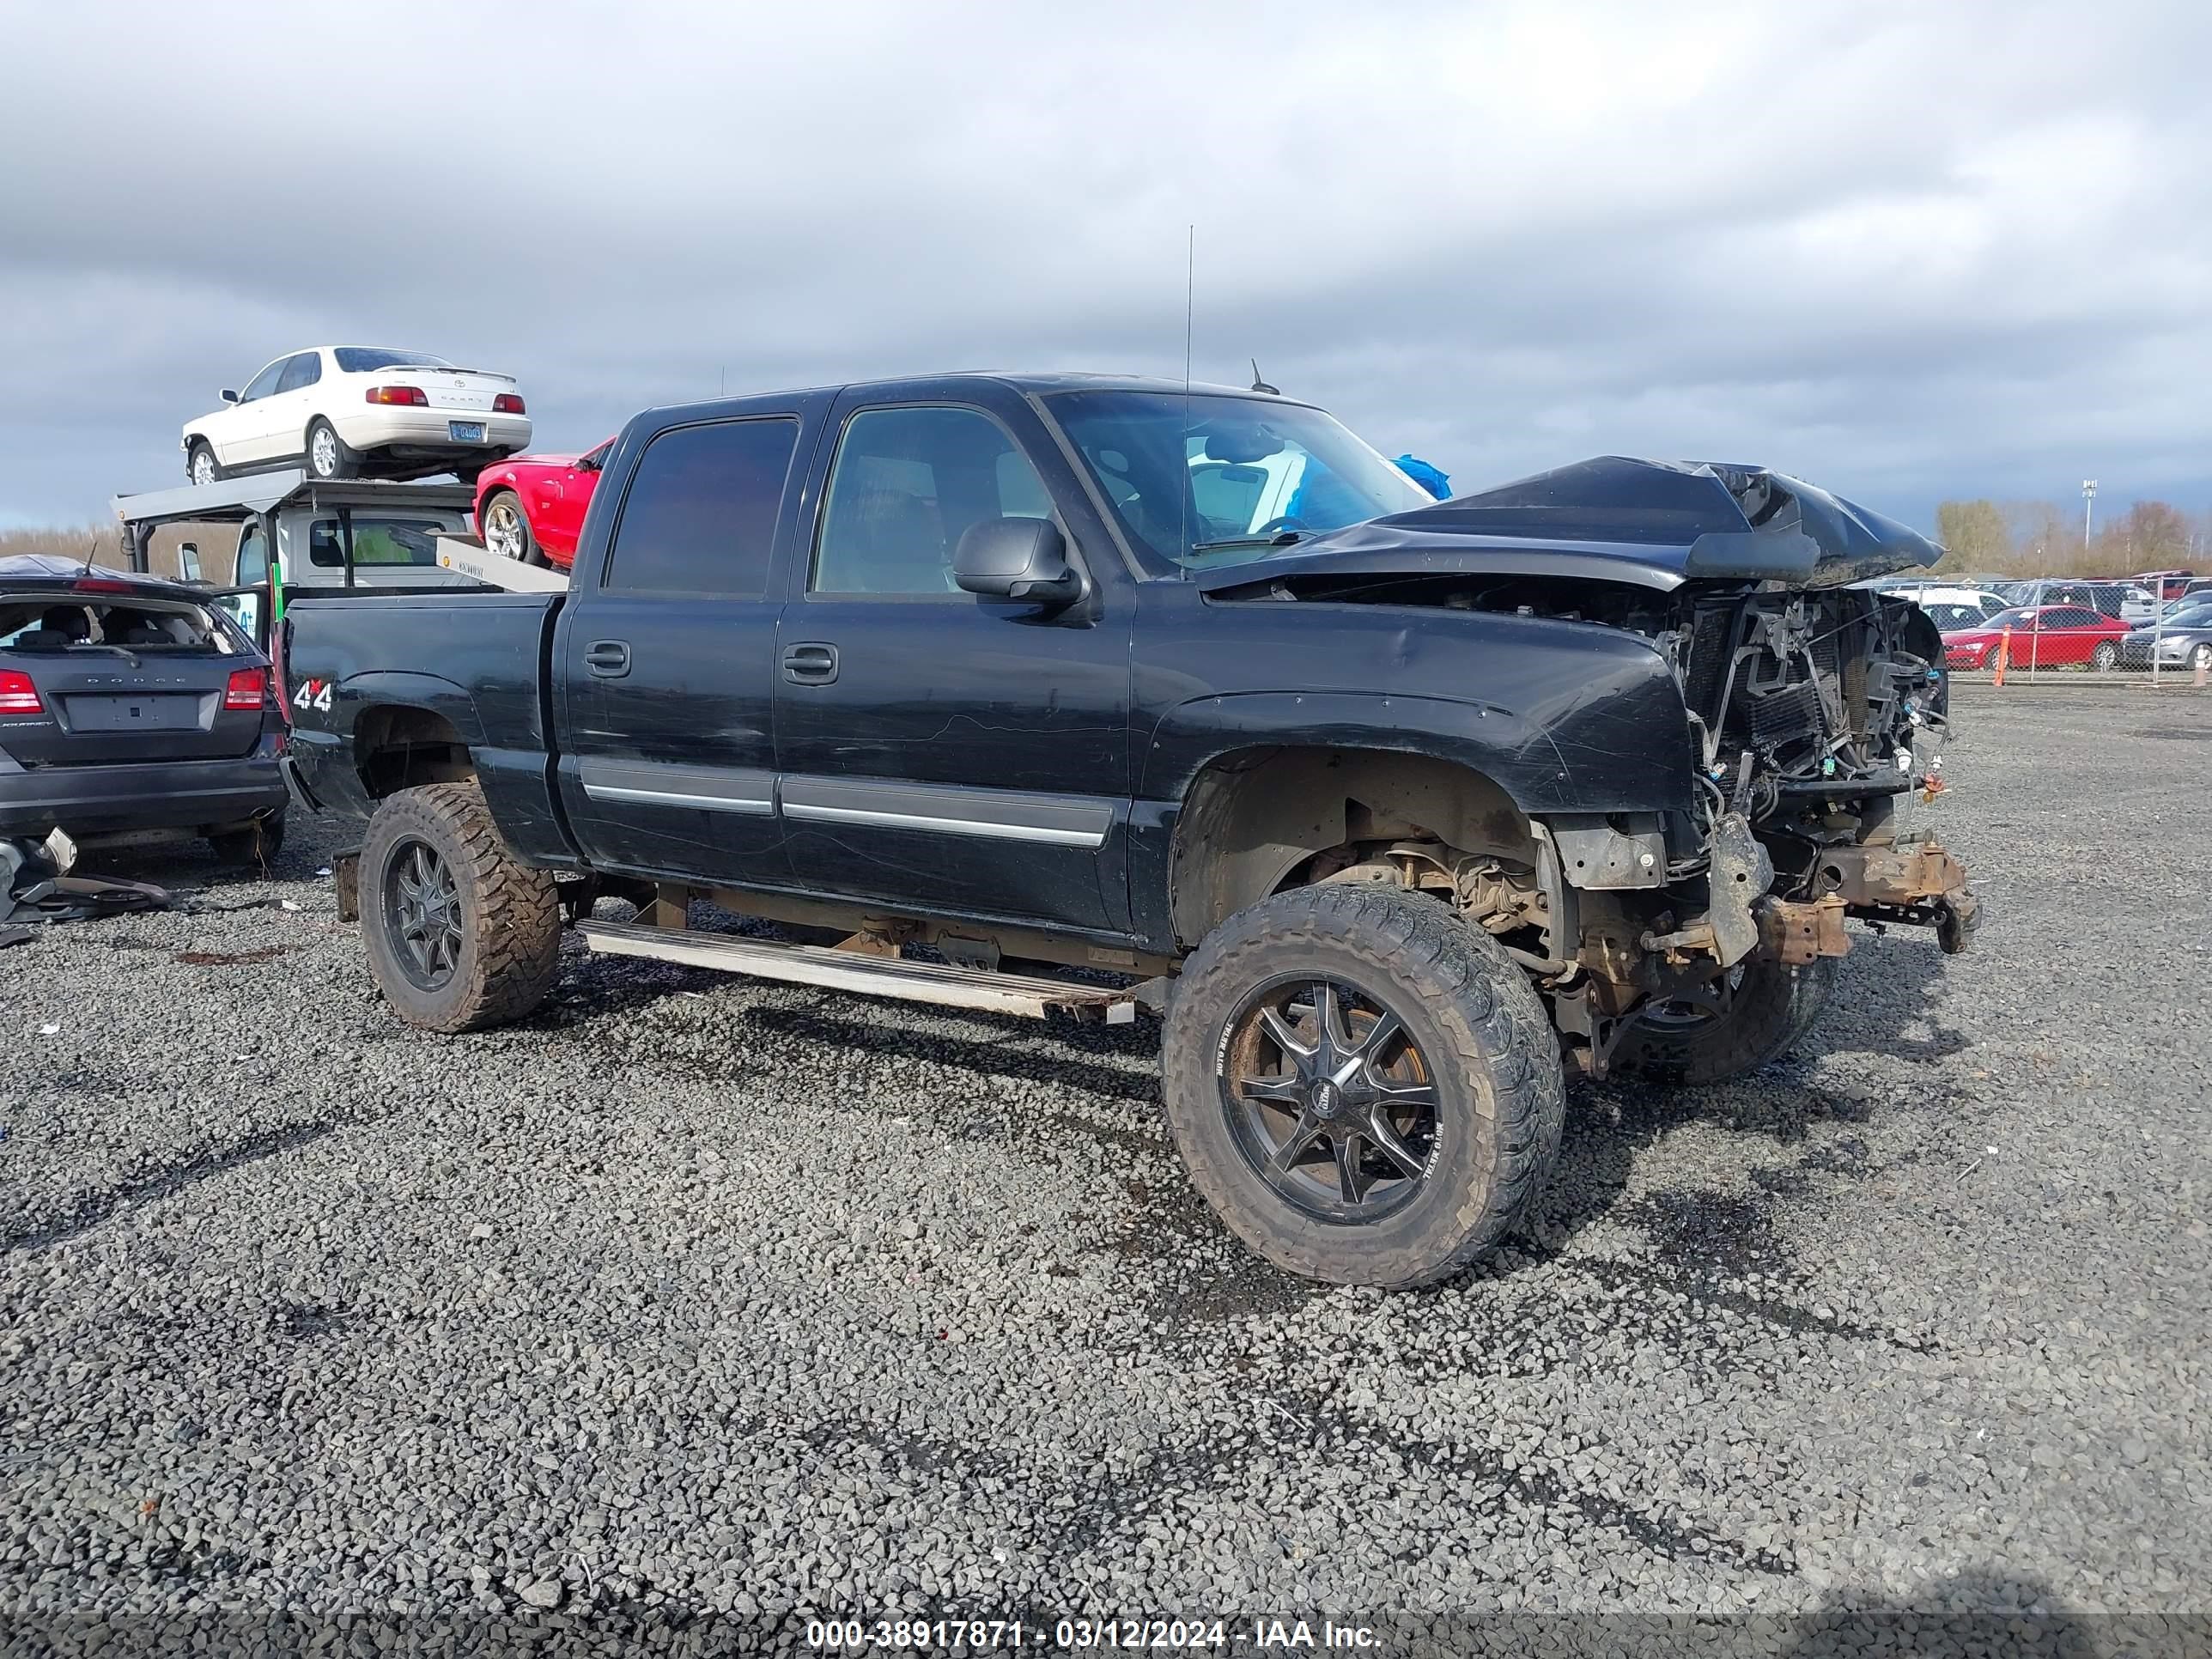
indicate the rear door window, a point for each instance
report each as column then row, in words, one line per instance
column 700, row 511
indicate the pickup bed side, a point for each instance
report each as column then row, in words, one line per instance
column 476, row 705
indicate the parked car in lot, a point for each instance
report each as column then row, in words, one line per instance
column 2182, row 639
column 2046, row 636
column 130, row 705
column 360, row 411
column 1393, row 810
column 532, row 508
column 2125, row 600
column 2165, row 584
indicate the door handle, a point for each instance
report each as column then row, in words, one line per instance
column 607, row 658
column 810, row 664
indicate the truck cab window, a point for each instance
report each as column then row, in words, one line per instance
column 375, row 541
column 700, row 516
column 907, row 485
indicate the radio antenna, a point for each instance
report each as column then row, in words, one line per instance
column 1182, row 437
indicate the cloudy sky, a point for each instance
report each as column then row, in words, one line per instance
column 1908, row 251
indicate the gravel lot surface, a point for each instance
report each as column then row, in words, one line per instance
column 694, row 1302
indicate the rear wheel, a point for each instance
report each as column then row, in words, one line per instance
column 506, row 529
column 328, row 458
column 1366, row 1089
column 201, row 467
column 257, row 842
column 460, row 934
column 1765, row 1007
column 2106, row 658
column 2201, row 656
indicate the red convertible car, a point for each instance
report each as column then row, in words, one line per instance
column 531, row 508
column 2046, row 636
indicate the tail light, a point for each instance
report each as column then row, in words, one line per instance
column 19, row 693
column 100, row 585
column 413, row 396
column 507, row 402
column 248, row 688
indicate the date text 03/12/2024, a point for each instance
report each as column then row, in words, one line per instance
column 987, row 1635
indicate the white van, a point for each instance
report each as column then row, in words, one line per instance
column 1948, row 607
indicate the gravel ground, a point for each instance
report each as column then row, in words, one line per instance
column 693, row 1303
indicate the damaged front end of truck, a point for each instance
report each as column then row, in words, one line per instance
column 1816, row 711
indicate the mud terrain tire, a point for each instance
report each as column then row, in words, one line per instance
column 1773, row 1008
column 502, row 952
column 1486, row 1047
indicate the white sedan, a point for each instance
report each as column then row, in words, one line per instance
column 354, row 412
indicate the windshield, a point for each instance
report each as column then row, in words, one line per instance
column 2018, row 617
column 1212, row 480
column 359, row 360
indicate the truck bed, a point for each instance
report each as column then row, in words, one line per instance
column 482, row 653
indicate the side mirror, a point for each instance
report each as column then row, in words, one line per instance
column 1017, row 559
column 227, row 395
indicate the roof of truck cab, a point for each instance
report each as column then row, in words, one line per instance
column 1023, row 383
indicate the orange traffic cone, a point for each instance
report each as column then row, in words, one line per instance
column 2004, row 652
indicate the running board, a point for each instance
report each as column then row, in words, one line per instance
column 865, row 976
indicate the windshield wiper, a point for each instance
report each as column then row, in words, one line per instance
column 122, row 651
column 1280, row 539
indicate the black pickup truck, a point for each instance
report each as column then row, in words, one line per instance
column 1398, row 811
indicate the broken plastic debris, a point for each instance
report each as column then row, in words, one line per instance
column 290, row 905
column 50, row 1030
column 324, row 871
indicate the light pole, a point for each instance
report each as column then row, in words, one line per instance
column 2088, row 503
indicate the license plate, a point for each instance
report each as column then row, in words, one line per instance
column 466, row 432
column 156, row 713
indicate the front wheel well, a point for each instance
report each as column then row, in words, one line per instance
column 397, row 747
column 1256, row 821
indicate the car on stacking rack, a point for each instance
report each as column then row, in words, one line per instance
column 530, row 508
column 360, row 411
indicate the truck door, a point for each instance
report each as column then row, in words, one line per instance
column 666, row 660
column 939, row 752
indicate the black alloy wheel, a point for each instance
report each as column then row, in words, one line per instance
column 422, row 914
column 1329, row 1099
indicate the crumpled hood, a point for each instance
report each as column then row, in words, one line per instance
column 1657, row 524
